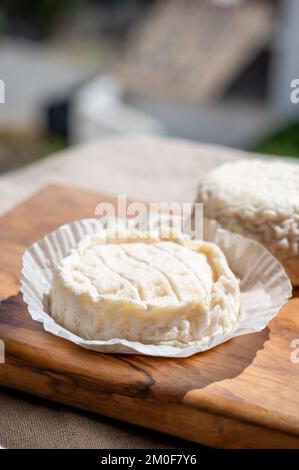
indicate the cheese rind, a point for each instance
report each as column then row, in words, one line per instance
column 156, row 291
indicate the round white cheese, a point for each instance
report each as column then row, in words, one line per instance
column 153, row 290
column 258, row 199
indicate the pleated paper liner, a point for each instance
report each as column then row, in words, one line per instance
column 264, row 286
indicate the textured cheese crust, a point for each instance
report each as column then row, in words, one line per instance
column 153, row 290
column 259, row 200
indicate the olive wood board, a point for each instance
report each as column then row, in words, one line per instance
column 242, row 394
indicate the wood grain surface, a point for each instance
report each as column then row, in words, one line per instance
column 244, row 393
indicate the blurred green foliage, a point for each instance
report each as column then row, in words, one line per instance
column 20, row 148
column 284, row 142
column 3, row 23
column 40, row 15
column 37, row 18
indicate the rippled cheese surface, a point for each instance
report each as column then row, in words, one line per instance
column 162, row 291
column 162, row 272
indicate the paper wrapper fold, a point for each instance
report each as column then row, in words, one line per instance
column 264, row 285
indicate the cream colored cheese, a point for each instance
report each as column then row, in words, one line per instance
column 154, row 290
column 258, row 199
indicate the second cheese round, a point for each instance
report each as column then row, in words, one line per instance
column 258, row 199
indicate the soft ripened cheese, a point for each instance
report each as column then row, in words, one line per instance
column 256, row 198
column 154, row 290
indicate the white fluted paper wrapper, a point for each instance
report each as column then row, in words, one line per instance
column 264, row 285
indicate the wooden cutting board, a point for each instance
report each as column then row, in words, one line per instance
column 244, row 393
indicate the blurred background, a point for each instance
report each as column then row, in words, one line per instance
column 216, row 71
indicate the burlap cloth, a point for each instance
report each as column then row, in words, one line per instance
column 145, row 168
